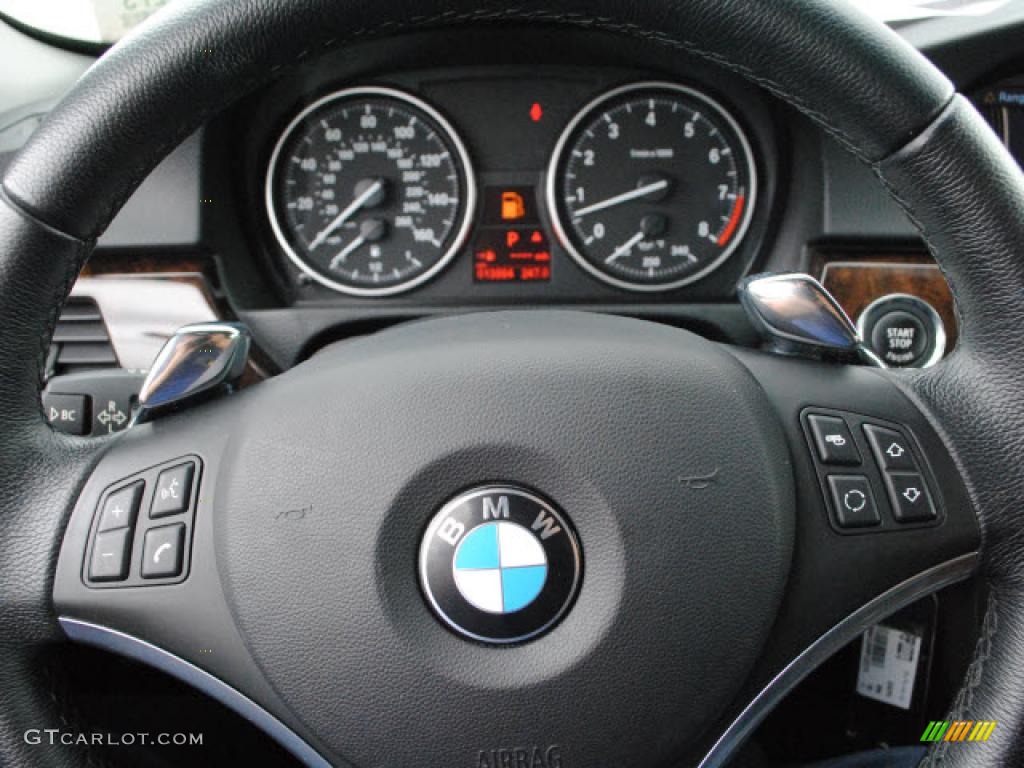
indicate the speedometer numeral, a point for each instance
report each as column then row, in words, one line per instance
column 359, row 180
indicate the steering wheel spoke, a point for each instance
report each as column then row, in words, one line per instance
column 138, row 573
column 883, row 519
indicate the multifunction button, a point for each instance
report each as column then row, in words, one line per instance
column 834, row 441
column 161, row 552
column 911, row 502
column 121, row 508
column 110, row 556
column 126, row 549
column 891, row 449
column 853, row 500
column 873, row 475
column 173, row 488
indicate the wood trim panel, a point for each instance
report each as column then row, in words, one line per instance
column 856, row 282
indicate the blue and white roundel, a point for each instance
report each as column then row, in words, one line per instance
column 500, row 567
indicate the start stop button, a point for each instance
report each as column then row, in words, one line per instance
column 899, row 338
column 904, row 331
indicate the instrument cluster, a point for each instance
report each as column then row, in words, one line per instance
column 637, row 187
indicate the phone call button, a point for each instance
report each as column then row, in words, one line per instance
column 162, row 550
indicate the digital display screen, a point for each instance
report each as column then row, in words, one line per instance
column 1004, row 108
column 511, row 256
column 511, row 247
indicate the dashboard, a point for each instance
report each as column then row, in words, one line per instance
column 448, row 172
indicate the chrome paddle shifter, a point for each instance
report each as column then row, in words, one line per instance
column 198, row 362
column 795, row 315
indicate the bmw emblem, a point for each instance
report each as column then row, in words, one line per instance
column 500, row 564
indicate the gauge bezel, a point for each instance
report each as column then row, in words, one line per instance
column 469, row 197
column 554, row 210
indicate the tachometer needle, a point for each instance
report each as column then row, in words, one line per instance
column 343, row 254
column 625, row 248
column 346, row 214
column 625, row 197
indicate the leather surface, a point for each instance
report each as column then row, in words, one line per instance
column 857, row 80
column 861, row 82
column 966, row 195
column 33, row 697
column 40, row 473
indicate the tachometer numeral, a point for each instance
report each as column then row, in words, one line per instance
column 660, row 164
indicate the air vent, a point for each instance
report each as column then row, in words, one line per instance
column 80, row 341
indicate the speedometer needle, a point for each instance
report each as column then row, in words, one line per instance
column 625, row 197
column 625, row 248
column 346, row 214
column 343, row 254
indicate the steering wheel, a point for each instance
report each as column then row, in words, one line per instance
column 712, row 573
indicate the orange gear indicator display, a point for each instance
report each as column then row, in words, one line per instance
column 511, row 246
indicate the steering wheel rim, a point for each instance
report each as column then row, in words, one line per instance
column 928, row 146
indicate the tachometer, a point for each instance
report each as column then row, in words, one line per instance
column 370, row 191
column 652, row 186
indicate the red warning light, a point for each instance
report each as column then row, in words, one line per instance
column 536, row 112
column 511, row 238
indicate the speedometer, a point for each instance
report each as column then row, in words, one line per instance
column 370, row 191
column 652, row 186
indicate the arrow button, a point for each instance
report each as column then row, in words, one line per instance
column 891, row 449
column 911, row 502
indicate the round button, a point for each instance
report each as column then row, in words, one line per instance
column 900, row 339
column 904, row 331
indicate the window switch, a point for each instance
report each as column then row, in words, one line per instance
column 834, row 441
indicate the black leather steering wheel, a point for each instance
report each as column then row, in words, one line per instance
column 700, row 604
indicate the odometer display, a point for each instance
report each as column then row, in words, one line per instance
column 652, row 187
column 370, row 191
